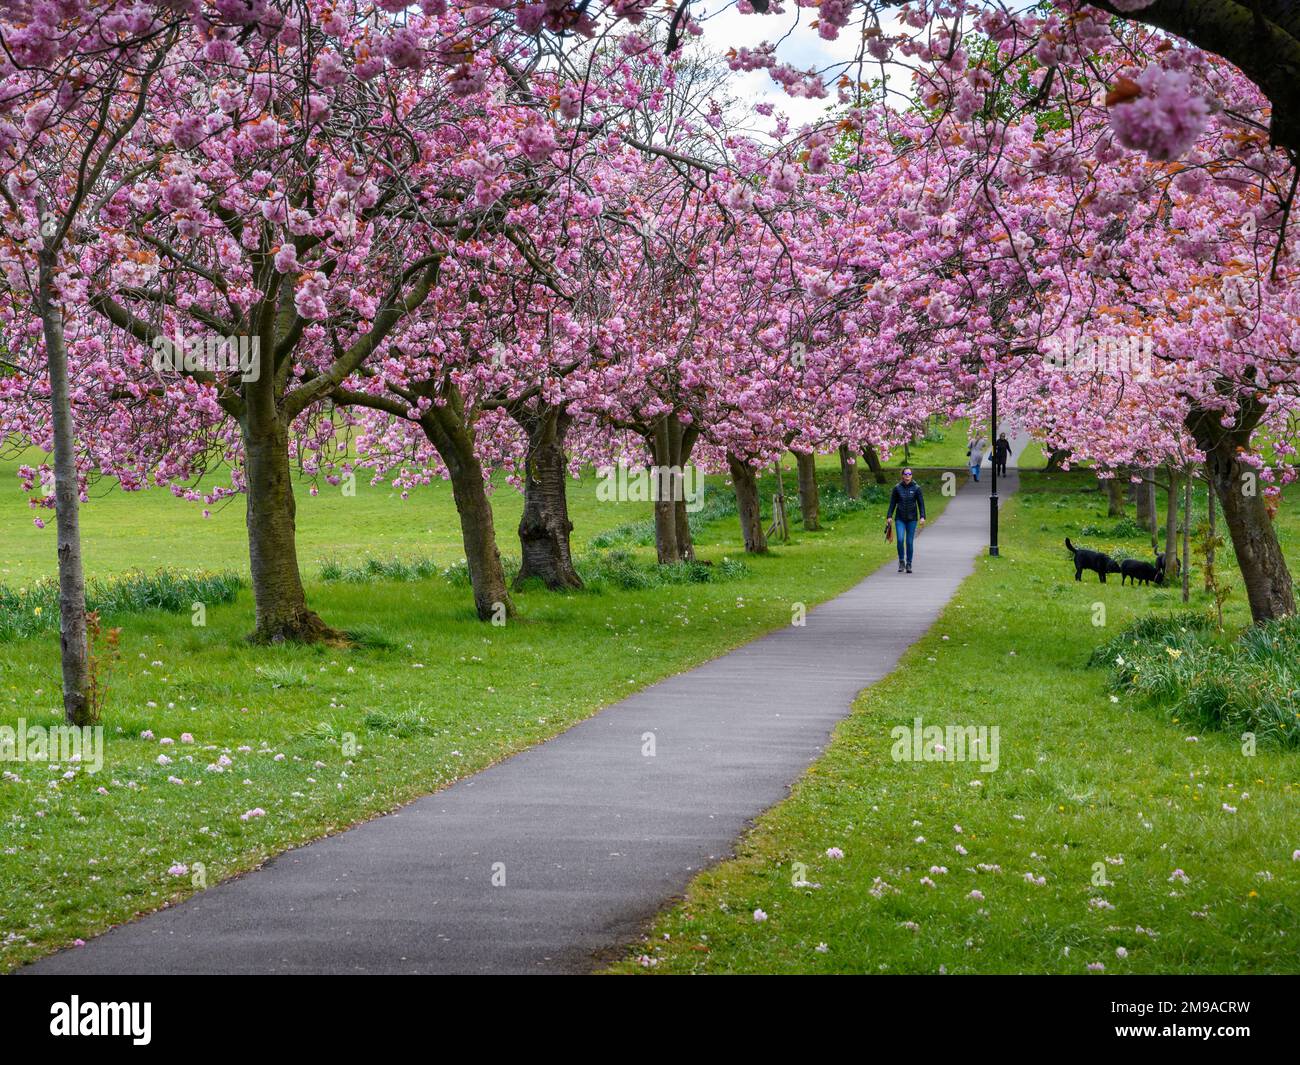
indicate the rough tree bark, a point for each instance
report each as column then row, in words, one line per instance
column 1150, row 486
column 780, row 521
column 1056, row 460
column 544, row 527
column 1114, row 489
column 1147, row 511
column 1245, row 511
column 809, row 497
column 446, row 428
column 685, row 544
column 280, row 603
column 666, row 550
column 849, row 473
column 1142, row 496
column 744, row 481
column 1171, row 525
column 873, row 463
column 73, row 639
column 1212, row 527
column 670, row 444
column 487, row 576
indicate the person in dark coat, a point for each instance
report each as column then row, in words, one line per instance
column 1001, row 452
column 907, row 512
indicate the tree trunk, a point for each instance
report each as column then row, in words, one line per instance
column 544, row 527
column 849, row 473
column 1142, row 496
column 1212, row 523
column 873, row 463
column 666, row 551
column 74, row 646
column 280, row 604
column 448, row 432
column 670, row 445
column 478, row 533
column 1171, row 525
column 1114, row 495
column 780, row 519
column 745, row 483
column 1056, row 459
column 685, row 544
column 1259, row 555
column 809, row 498
column 1151, row 508
column 1187, row 526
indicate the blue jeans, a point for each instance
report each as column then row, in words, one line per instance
column 905, row 530
column 975, row 472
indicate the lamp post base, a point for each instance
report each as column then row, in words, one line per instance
column 993, row 525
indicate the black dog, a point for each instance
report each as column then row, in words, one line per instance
column 1138, row 571
column 1097, row 561
column 1160, row 564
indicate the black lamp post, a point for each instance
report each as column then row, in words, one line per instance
column 993, row 497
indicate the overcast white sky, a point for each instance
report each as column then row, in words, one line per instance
column 798, row 45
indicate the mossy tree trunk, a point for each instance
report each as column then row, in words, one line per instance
column 744, row 481
column 1245, row 508
column 809, row 497
column 544, row 527
column 849, row 473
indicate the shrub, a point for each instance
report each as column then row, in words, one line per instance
column 621, row 570
column 1127, row 529
column 377, row 569
column 1179, row 663
column 34, row 609
column 419, row 568
column 717, row 504
column 834, row 502
column 1123, row 529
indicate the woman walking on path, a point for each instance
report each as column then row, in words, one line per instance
column 975, row 456
column 907, row 500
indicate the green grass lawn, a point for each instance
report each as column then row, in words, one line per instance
column 320, row 738
column 947, row 448
column 1032, row 458
column 147, row 530
column 1111, row 834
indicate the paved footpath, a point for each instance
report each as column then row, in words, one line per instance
column 594, row 837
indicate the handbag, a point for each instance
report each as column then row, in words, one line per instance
column 889, row 532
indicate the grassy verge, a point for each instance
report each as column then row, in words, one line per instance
column 1182, row 665
column 320, row 738
column 1110, row 835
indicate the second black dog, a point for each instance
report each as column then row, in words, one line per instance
column 1097, row 561
column 1140, row 572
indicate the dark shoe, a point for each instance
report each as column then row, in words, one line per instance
column 909, row 568
column 900, row 565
